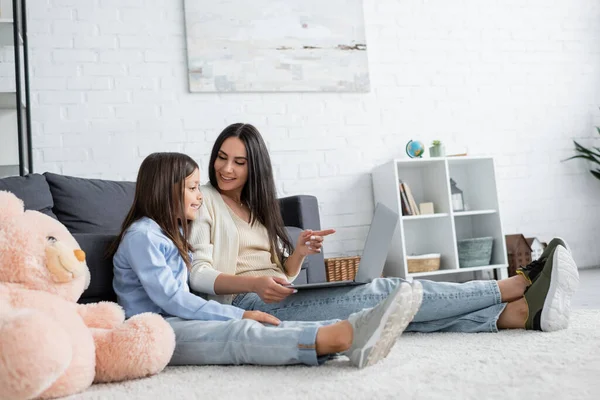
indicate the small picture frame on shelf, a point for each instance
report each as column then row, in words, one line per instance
column 426, row 208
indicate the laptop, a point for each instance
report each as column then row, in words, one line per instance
column 374, row 253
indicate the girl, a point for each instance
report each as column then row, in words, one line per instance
column 241, row 247
column 150, row 275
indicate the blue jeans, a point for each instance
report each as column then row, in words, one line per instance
column 245, row 342
column 447, row 307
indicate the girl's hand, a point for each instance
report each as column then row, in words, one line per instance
column 262, row 317
column 272, row 289
column 310, row 242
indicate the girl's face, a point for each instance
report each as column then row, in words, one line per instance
column 231, row 165
column 192, row 198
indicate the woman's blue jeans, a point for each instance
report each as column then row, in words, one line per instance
column 447, row 307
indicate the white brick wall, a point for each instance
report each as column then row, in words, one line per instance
column 517, row 79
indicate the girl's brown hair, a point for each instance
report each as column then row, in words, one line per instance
column 159, row 195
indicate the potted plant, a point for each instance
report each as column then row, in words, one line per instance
column 592, row 155
column 437, row 149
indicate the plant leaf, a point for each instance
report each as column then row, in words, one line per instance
column 580, row 149
column 596, row 173
column 589, row 158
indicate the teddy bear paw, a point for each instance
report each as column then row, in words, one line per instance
column 141, row 346
column 105, row 315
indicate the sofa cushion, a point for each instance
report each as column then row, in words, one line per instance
column 302, row 211
column 90, row 205
column 33, row 190
column 96, row 247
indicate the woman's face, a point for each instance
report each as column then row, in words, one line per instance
column 231, row 165
column 192, row 198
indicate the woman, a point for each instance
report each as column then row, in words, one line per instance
column 241, row 248
column 151, row 260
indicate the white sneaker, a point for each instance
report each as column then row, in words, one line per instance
column 376, row 329
column 417, row 297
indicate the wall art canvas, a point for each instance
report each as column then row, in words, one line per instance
column 276, row 46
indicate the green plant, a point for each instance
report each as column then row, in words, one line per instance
column 436, row 143
column 592, row 155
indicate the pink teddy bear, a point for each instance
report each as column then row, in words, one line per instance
column 50, row 345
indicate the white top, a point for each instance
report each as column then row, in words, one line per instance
column 254, row 255
column 216, row 245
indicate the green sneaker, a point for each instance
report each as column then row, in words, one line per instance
column 533, row 269
column 552, row 245
column 549, row 297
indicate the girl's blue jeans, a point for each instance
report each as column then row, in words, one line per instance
column 450, row 307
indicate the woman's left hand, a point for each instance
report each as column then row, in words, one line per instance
column 310, row 242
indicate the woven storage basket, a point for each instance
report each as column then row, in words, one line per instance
column 341, row 268
column 424, row 263
column 475, row 252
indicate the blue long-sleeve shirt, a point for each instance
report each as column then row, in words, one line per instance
column 151, row 276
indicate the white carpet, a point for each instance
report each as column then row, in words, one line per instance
column 507, row 365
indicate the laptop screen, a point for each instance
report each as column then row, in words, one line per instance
column 377, row 244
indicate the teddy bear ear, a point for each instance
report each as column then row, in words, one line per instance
column 10, row 206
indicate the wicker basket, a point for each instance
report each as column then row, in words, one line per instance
column 341, row 268
column 475, row 252
column 423, row 263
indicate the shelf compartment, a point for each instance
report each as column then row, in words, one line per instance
column 483, row 225
column 425, row 236
column 9, row 150
column 9, row 170
column 427, row 182
column 8, row 101
column 7, row 33
column 476, row 178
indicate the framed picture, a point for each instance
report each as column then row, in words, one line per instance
column 276, row 46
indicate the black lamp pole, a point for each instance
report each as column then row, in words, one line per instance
column 20, row 28
column 27, row 98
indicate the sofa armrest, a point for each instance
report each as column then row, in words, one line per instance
column 299, row 213
column 95, row 246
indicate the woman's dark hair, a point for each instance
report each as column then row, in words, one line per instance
column 159, row 195
column 259, row 192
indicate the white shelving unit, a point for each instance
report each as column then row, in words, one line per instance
column 429, row 181
column 7, row 32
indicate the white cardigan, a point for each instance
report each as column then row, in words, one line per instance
column 215, row 244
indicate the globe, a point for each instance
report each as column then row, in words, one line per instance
column 415, row 149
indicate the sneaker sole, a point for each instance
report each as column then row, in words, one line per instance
column 396, row 318
column 565, row 244
column 563, row 284
column 417, row 297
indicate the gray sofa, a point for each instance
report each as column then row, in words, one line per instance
column 93, row 211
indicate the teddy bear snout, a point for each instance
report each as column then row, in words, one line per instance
column 79, row 255
column 63, row 263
